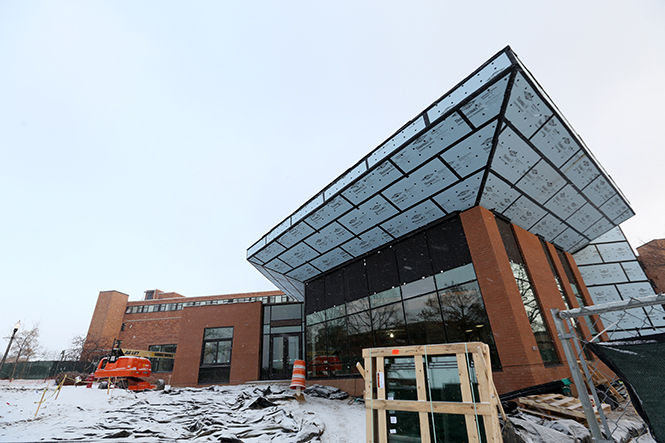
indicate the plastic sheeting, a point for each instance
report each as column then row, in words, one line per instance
column 639, row 362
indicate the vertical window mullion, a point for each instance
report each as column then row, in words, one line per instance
column 525, row 286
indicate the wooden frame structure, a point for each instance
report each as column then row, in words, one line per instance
column 486, row 406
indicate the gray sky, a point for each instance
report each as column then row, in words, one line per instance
column 147, row 144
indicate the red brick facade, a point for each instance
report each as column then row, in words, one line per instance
column 184, row 328
column 652, row 258
column 106, row 321
column 246, row 321
column 522, row 365
column 514, row 340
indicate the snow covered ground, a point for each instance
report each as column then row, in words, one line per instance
column 248, row 413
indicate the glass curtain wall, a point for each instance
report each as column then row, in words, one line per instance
column 576, row 290
column 418, row 290
column 282, row 339
column 531, row 304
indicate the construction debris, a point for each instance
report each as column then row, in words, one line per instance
column 556, row 406
column 527, row 428
column 536, row 430
column 326, row 392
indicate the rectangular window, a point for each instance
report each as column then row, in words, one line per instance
column 447, row 245
column 216, row 355
column 381, row 270
column 286, row 312
column 557, row 279
column 357, row 305
column 413, row 259
column 316, row 349
column 423, row 319
column 465, row 317
column 355, row 281
column 385, row 297
column 162, row 364
column 531, row 304
column 337, row 349
column 576, row 291
column 389, row 325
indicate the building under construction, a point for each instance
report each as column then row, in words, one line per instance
column 469, row 223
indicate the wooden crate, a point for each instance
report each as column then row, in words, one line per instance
column 486, row 406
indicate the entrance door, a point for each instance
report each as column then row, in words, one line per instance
column 284, row 350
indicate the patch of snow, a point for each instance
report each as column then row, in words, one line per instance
column 251, row 413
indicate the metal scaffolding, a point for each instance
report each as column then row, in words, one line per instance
column 573, row 350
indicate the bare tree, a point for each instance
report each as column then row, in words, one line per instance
column 75, row 349
column 26, row 345
column 88, row 349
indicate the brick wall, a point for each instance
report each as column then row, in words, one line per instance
column 154, row 328
column 246, row 321
column 514, row 340
column 106, row 321
column 652, row 258
column 522, row 365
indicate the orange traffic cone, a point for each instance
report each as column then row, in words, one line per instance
column 298, row 379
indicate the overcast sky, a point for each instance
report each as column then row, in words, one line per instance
column 147, row 144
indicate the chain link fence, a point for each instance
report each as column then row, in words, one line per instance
column 614, row 367
column 35, row 370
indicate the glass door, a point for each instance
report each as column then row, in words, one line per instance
column 284, row 351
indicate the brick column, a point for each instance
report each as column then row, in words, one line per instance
column 105, row 323
column 543, row 281
column 514, row 339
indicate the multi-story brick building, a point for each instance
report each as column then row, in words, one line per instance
column 468, row 223
column 216, row 339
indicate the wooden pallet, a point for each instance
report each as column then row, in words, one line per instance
column 556, row 405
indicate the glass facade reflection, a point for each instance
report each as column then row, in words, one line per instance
column 532, row 306
column 418, row 290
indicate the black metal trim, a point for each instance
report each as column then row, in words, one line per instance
column 497, row 131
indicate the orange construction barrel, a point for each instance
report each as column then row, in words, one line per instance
column 298, row 377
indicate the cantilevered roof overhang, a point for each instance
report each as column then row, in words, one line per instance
column 495, row 140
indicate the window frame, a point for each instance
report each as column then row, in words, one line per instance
column 204, row 341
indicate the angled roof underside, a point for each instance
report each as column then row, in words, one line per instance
column 495, row 140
